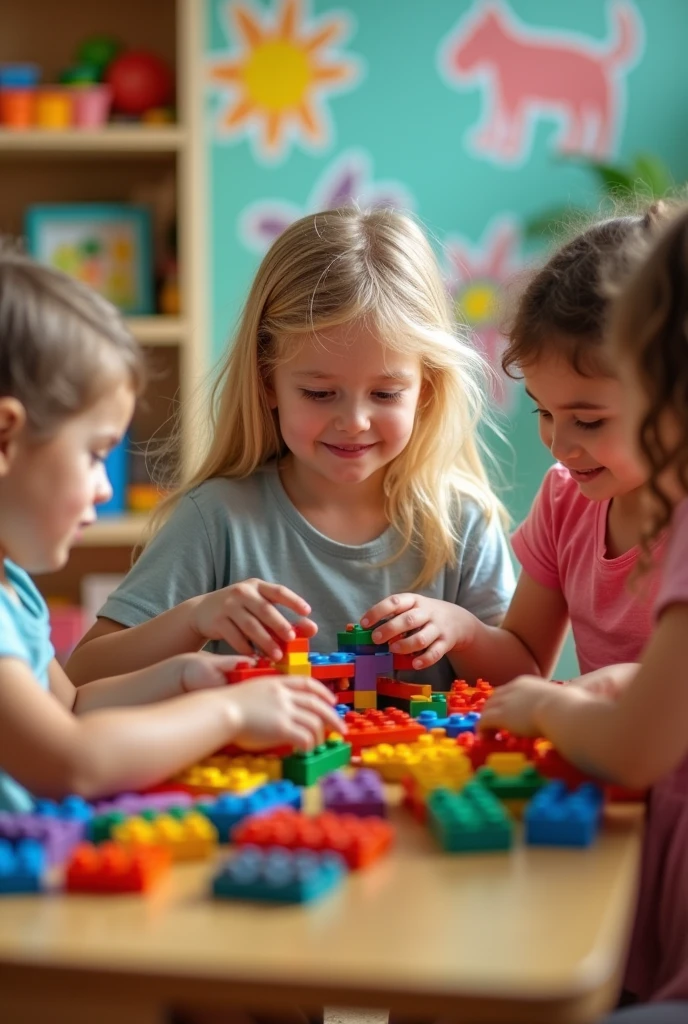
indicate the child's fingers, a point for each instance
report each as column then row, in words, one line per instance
column 278, row 594
column 432, row 655
column 390, row 609
column 416, row 641
column 234, row 638
column 326, row 716
column 308, row 684
column 227, row 662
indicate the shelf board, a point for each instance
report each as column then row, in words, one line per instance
column 111, row 139
column 114, row 531
column 158, row 330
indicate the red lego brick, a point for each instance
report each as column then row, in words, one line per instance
column 345, row 697
column 245, row 670
column 343, row 671
column 387, row 687
column 359, row 841
column 370, row 727
column 621, row 795
column 463, row 698
column 403, row 662
column 111, row 868
column 552, row 765
column 501, row 742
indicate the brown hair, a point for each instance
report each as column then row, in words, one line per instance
column 61, row 344
column 564, row 304
column 649, row 324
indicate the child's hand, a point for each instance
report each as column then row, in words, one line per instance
column 203, row 671
column 609, row 682
column 245, row 616
column 273, row 710
column 518, row 706
column 437, row 626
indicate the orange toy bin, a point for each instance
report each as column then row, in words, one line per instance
column 17, row 108
column 53, row 109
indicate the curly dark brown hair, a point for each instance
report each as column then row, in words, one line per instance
column 649, row 325
column 563, row 306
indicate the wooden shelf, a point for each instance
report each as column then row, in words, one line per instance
column 110, row 140
column 158, row 330
column 114, row 531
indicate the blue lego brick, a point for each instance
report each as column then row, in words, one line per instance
column 342, row 710
column 335, row 658
column 454, row 724
column 277, row 875
column 231, row 808
column 557, row 816
column 72, row 808
column 470, row 821
column 22, row 866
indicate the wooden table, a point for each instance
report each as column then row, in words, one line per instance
column 531, row 936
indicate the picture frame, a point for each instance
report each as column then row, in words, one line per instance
column 107, row 246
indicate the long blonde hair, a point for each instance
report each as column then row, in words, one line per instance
column 344, row 266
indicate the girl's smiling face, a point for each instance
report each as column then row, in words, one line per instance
column 346, row 403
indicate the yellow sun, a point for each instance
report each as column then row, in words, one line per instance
column 478, row 303
column 277, row 72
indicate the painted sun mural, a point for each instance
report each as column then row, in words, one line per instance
column 275, row 78
column 347, row 179
column 476, row 276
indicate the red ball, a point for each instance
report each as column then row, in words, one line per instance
column 139, row 81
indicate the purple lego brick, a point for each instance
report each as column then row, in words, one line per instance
column 58, row 836
column 360, row 794
column 369, row 667
column 135, row 803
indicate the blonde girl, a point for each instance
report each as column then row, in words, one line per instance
column 343, row 469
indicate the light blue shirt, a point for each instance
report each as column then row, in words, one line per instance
column 226, row 531
column 24, row 634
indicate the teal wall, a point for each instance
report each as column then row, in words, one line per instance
column 380, row 112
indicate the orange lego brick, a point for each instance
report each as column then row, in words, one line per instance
column 463, row 698
column 345, row 670
column 111, row 868
column 360, row 841
column 387, row 687
column 365, row 700
column 368, row 728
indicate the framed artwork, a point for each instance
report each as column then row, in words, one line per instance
column 106, row 245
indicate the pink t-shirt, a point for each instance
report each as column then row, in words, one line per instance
column 562, row 545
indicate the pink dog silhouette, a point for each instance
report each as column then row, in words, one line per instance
column 529, row 74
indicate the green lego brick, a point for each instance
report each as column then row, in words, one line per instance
column 438, row 703
column 511, row 787
column 357, row 635
column 305, row 767
column 470, row 821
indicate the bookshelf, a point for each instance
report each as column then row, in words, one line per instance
column 120, row 163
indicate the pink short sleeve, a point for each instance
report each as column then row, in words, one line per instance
column 673, row 588
column 535, row 542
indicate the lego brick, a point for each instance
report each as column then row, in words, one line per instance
column 453, row 724
column 332, row 666
column 365, row 700
column 396, row 688
column 254, row 764
column 278, row 875
column 552, row 765
column 360, row 841
column 135, row 803
column 304, row 767
column 372, row 727
column 557, row 816
column 103, row 825
column 344, row 699
column 507, row 762
column 514, row 786
column 72, row 808
column 294, row 670
column 298, row 646
column 110, row 868
column 393, row 762
column 191, row 837
column 22, row 866
column 470, row 821
column 463, row 698
column 355, row 634
column 437, row 702
column 361, row 794
column 369, row 667
column 404, row 662
column 212, row 779
column 244, row 670
column 293, row 658
column 59, row 836
column 502, row 741
column 231, row 808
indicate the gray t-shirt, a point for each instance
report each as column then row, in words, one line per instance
column 226, row 531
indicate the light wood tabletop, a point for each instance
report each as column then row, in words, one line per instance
column 531, row 936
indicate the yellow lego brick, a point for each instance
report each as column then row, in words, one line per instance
column 364, row 699
column 393, row 762
column 294, row 658
column 211, row 780
column 189, row 838
column 294, row 670
column 445, row 773
column 257, row 764
column 507, row 762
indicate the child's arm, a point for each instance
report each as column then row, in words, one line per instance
column 51, row 752
column 527, row 642
column 244, row 615
column 634, row 739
